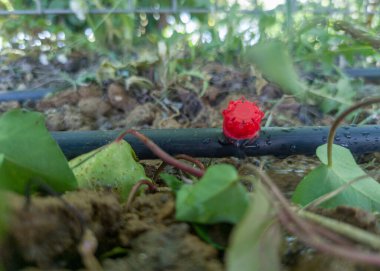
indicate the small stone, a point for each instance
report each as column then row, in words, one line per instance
column 93, row 107
column 119, row 99
column 139, row 116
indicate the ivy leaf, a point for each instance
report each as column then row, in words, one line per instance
column 171, row 181
column 255, row 240
column 27, row 151
column 3, row 215
column 364, row 193
column 113, row 165
column 217, row 197
column 274, row 62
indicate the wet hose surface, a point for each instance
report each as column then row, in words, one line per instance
column 25, row 95
column 209, row 142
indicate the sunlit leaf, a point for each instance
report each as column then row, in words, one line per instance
column 256, row 239
column 113, row 165
column 28, row 152
column 217, row 197
column 364, row 194
column 274, row 62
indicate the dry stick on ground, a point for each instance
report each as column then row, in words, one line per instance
column 185, row 157
column 87, row 249
column 161, row 153
column 306, row 231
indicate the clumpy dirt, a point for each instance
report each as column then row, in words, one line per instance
column 46, row 232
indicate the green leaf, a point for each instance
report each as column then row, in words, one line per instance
column 363, row 194
column 201, row 231
column 3, row 215
column 255, row 240
column 274, row 62
column 171, row 181
column 113, row 165
column 29, row 152
column 344, row 91
column 217, row 197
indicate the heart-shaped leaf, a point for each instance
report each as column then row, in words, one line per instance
column 27, row 152
column 217, row 197
column 255, row 240
column 113, row 165
column 364, row 193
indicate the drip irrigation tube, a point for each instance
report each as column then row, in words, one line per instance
column 38, row 94
column 208, row 142
column 25, row 95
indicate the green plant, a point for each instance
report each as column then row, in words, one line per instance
column 338, row 168
column 113, row 165
column 217, row 197
column 32, row 156
column 256, row 239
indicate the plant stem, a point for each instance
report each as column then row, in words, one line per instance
column 135, row 188
column 162, row 154
column 339, row 119
column 185, row 157
column 310, row 233
column 342, row 228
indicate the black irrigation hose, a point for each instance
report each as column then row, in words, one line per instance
column 368, row 73
column 208, row 142
column 38, row 94
column 25, row 95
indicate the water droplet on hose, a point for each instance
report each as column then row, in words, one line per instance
column 347, row 135
column 345, row 145
column 206, row 141
column 293, row 148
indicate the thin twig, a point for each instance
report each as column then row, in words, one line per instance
column 339, row 119
column 161, row 153
column 306, row 231
column 185, row 157
column 135, row 188
column 345, row 229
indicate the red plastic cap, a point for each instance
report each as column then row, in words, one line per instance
column 242, row 119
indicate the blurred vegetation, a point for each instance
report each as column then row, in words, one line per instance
column 320, row 38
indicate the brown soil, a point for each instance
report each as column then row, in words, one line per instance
column 45, row 233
